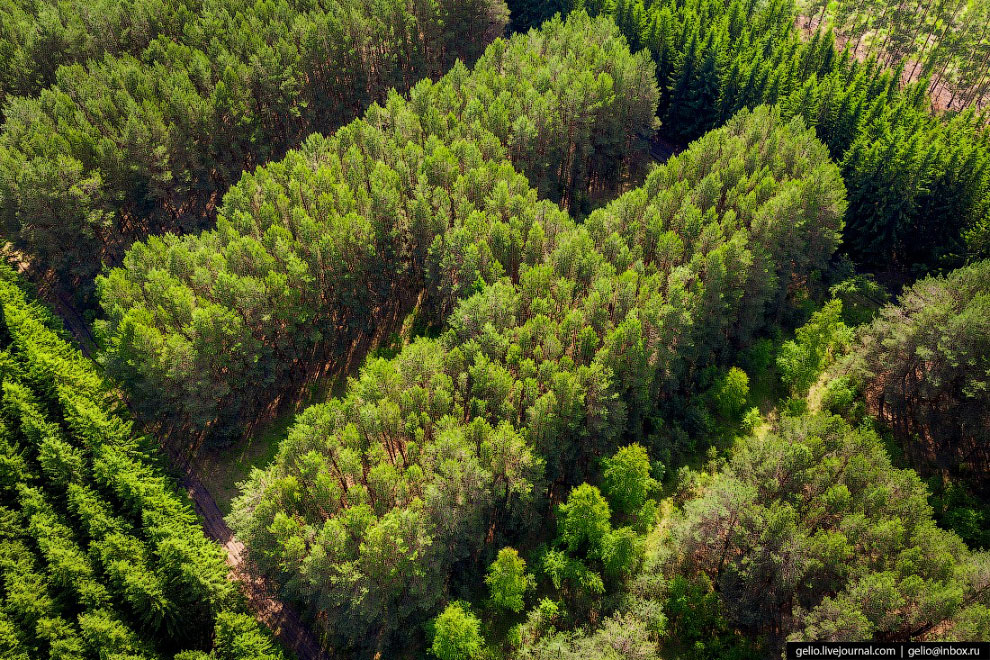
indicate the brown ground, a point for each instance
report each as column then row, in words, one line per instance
column 262, row 596
column 942, row 95
column 200, row 466
column 195, row 465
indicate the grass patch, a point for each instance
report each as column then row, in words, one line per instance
column 222, row 468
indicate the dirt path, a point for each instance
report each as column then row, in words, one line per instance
column 261, row 593
column 262, row 596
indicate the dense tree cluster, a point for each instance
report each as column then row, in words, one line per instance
column 39, row 36
column 924, row 368
column 572, row 106
column 598, row 544
column 809, row 533
column 130, row 144
column 432, row 456
column 316, row 250
column 617, row 638
column 919, row 185
column 947, row 40
column 576, row 326
column 99, row 556
column 806, row 530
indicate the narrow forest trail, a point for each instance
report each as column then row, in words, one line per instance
column 262, row 596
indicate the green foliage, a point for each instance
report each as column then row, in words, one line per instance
column 448, row 449
column 548, row 610
column 958, row 510
column 527, row 14
column 839, row 397
column 816, row 345
column 759, row 357
column 584, row 521
column 99, row 555
column 731, row 393
column 861, row 297
column 591, row 551
column 561, row 342
column 751, row 419
column 946, row 40
column 143, row 140
column 390, row 517
column 918, row 182
column 508, row 581
column 571, row 104
column 457, row 634
column 924, row 365
column 237, row 637
column 621, row 552
column 698, row 625
column 810, row 533
column 626, row 479
column 580, row 585
column 315, row 251
column 617, row 638
column 40, row 36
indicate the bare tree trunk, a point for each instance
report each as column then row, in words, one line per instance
column 931, row 33
column 973, row 52
column 888, row 57
column 940, row 79
column 982, row 80
column 856, row 16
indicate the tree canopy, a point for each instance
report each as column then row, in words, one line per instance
column 596, row 407
column 313, row 252
column 99, row 555
column 924, row 368
column 918, row 182
column 144, row 138
column 433, row 455
column 808, row 532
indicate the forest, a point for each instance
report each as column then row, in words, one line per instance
column 492, row 329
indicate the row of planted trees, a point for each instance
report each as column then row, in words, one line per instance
column 918, row 184
column 124, row 120
column 314, row 251
column 810, row 528
column 460, row 445
column 434, row 458
column 946, row 40
column 99, row 555
column 563, row 341
column 142, row 132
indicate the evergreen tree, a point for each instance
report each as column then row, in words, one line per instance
column 923, row 368
column 452, row 448
column 457, row 634
column 508, row 581
column 99, row 556
column 315, row 251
